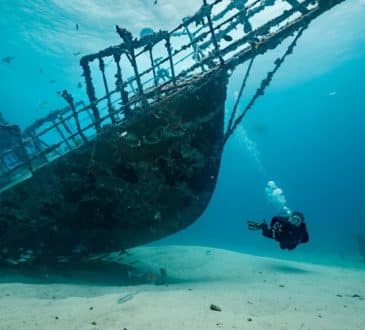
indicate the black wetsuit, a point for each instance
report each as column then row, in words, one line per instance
column 287, row 234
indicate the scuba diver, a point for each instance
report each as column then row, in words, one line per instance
column 289, row 230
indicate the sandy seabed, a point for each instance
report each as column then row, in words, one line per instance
column 252, row 293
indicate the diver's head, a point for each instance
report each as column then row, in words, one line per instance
column 296, row 218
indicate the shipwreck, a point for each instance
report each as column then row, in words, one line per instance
column 140, row 160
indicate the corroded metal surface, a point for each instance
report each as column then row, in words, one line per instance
column 140, row 161
column 133, row 184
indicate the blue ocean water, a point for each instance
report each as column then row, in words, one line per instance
column 306, row 133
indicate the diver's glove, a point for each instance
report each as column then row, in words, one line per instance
column 253, row 225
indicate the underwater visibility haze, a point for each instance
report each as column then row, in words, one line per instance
column 157, row 152
column 305, row 133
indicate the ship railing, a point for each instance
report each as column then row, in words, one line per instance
column 208, row 44
column 148, row 69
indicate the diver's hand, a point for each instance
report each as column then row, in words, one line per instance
column 253, row 225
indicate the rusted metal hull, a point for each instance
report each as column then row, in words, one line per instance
column 153, row 173
column 133, row 184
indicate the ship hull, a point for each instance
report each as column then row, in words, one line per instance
column 133, row 184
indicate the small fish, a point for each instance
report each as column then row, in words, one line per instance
column 332, row 94
column 41, row 70
column 76, row 53
column 79, row 85
column 155, row 3
column 227, row 38
column 8, row 59
column 52, row 81
column 77, row 26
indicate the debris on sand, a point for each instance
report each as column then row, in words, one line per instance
column 127, row 297
column 215, row 308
